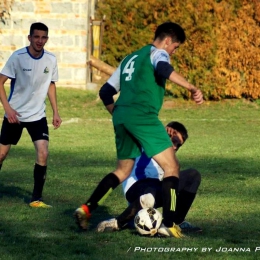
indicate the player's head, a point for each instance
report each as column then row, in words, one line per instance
column 38, row 26
column 180, row 134
column 38, row 37
column 172, row 30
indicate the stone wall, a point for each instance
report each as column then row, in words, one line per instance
column 68, row 23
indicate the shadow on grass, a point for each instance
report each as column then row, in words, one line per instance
column 49, row 231
column 14, row 192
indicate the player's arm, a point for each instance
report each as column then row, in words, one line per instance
column 106, row 94
column 181, row 81
column 161, row 62
column 56, row 121
column 109, row 89
column 10, row 112
column 165, row 70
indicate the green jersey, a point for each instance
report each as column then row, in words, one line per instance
column 140, row 87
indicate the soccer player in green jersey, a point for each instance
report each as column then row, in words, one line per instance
column 141, row 78
column 143, row 188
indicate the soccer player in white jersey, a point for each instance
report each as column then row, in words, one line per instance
column 143, row 188
column 33, row 72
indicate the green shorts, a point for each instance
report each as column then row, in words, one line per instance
column 135, row 130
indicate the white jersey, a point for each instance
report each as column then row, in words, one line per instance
column 144, row 168
column 30, row 81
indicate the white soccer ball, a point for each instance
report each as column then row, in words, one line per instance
column 147, row 221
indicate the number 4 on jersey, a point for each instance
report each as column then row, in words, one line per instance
column 129, row 68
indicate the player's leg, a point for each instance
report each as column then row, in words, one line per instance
column 109, row 183
column 156, row 143
column 122, row 220
column 102, row 191
column 39, row 133
column 127, row 148
column 169, row 163
column 10, row 135
column 140, row 195
column 190, row 180
column 4, row 150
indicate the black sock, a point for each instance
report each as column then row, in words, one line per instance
column 169, row 192
column 1, row 166
column 104, row 188
column 129, row 213
column 184, row 202
column 39, row 180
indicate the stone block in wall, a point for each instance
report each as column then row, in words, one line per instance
column 43, row 7
column 56, row 53
column 74, row 57
column 65, row 74
column 62, row 7
column 19, row 23
column 13, row 40
column 75, row 24
column 81, row 41
column 61, row 40
column 52, row 23
column 23, row 7
column 80, row 74
column 80, row 8
column 6, row 25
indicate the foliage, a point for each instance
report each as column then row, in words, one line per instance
column 5, row 6
column 221, row 54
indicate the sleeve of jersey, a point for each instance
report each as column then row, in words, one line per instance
column 164, row 69
column 110, row 88
column 9, row 68
column 161, row 62
column 55, row 74
column 106, row 94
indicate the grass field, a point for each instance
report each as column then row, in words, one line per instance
column 223, row 145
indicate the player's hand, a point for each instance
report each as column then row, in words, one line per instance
column 12, row 116
column 174, row 231
column 56, row 121
column 197, row 95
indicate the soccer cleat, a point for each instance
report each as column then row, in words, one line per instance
column 39, row 204
column 82, row 216
column 108, row 225
column 186, row 227
column 174, row 231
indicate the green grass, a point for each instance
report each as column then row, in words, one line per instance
column 223, row 145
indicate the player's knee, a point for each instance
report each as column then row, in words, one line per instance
column 4, row 150
column 3, row 155
column 196, row 176
column 172, row 170
column 194, row 180
column 147, row 200
column 43, row 155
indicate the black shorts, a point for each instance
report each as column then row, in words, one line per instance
column 11, row 133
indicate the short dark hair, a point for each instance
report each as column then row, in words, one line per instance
column 38, row 26
column 172, row 30
column 180, row 128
